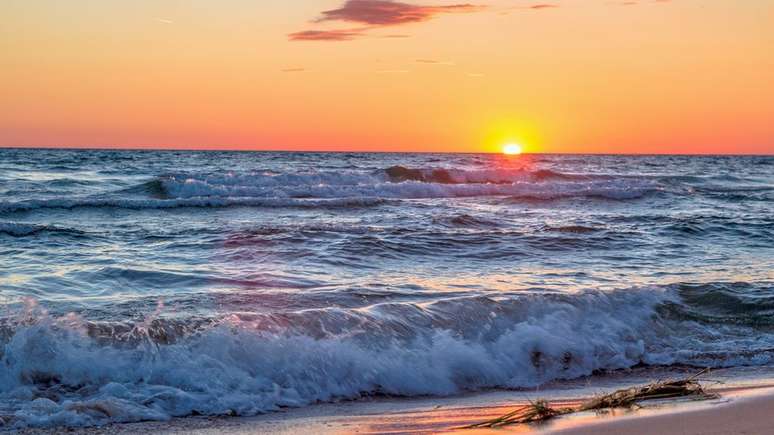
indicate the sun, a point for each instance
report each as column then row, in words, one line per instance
column 512, row 149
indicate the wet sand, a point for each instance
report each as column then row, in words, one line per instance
column 747, row 409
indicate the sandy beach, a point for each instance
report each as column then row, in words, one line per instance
column 741, row 412
column 743, row 407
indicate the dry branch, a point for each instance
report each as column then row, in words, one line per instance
column 541, row 411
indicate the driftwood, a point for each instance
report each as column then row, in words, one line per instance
column 541, row 411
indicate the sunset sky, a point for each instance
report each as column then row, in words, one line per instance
column 596, row 76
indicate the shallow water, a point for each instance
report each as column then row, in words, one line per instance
column 145, row 285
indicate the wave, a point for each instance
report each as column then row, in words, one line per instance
column 139, row 278
column 398, row 174
column 69, row 371
column 465, row 221
column 18, row 229
column 195, row 202
column 349, row 189
column 398, row 182
column 572, row 229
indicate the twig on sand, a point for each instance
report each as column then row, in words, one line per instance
column 627, row 397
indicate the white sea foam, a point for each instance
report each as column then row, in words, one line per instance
column 413, row 184
column 343, row 189
column 611, row 189
column 55, row 373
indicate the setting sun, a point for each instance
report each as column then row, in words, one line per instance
column 512, row 149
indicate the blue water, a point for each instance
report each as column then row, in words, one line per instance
column 148, row 285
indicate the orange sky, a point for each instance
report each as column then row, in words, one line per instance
column 649, row 76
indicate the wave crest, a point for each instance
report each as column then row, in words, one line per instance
column 246, row 364
column 18, row 229
column 349, row 189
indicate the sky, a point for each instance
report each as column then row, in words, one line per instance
column 565, row 76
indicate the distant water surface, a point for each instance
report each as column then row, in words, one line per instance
column 143, row 285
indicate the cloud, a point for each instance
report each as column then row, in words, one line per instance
column 374, row 14
column 390, row 13
column 327, row 35
column 292, row 70
column 535, row 7
column 435, row 62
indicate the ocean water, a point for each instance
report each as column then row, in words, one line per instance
column 150, row 285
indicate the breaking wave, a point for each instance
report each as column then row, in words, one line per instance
column 75, row 372
column 345, row 189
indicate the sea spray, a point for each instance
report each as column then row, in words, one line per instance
column 90, row 375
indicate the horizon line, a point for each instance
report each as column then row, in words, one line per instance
column 171, row 149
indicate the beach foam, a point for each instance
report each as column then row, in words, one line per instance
column 68, row 371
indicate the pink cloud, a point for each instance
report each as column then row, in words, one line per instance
column 326, row 35
column 375, row 14
column 389, row 13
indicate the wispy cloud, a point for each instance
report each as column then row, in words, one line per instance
column 164, row 21
column 435, row 62
column 375, row 14
column 534, row 7
column 327, row 35
column 293, row 70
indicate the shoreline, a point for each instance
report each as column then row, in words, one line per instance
column 737, row 411
column 743, row 405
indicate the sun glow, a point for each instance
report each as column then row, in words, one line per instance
column 512, row 149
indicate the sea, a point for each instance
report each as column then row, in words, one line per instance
column 147, row 285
